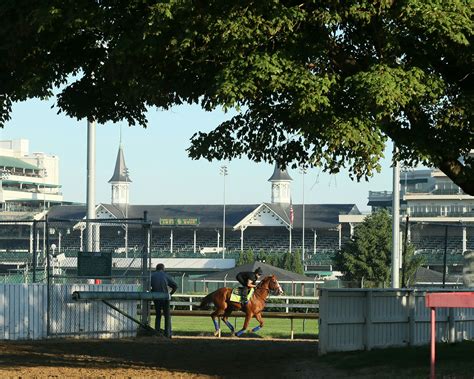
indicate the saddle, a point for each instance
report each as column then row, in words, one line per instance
column 236, row 295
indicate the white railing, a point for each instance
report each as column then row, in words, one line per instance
column 288, row 302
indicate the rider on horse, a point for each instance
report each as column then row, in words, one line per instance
column 248, row 279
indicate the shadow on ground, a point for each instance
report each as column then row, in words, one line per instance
column 225, row 357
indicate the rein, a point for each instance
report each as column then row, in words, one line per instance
column 261, row 287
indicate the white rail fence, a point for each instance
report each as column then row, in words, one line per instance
column 362, row 319
column 25, row 314
column 289, row 303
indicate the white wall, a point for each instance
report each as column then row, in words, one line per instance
column 362, row 319
column 24, row 309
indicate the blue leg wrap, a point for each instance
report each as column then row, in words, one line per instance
column 231, row 327
column 216, row 325
column 256, row 329
column 240, row 332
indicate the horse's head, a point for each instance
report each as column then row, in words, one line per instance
column 272, row 284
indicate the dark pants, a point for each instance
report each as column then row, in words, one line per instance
column 244, row 293
column 163, row 306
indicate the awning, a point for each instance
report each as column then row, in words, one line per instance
column 16, row 163
column 43, row 185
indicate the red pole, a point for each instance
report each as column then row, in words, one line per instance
column 433, row 343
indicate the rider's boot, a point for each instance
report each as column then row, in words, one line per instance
column 243, row 299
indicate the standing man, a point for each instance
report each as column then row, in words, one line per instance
column 161, row 282
column 248, row 279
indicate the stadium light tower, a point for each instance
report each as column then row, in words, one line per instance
column 224, row 173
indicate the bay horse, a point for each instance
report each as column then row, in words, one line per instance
column 224, row 307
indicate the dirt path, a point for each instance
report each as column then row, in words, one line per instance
column 182, row 357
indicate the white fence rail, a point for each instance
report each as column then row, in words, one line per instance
column 362, row 319
column 288, row 302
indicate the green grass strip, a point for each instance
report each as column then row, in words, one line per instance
column 273, row 328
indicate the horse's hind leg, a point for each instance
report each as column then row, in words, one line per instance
column 225, row 318
column 214, row 316
column 259, row 318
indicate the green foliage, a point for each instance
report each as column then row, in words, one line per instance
column 368, row 256
column 322, row 83
column 291, row 262
column 297, row 264
column 410, row 264
column 286, row 261
column 246, row 257
column 270, row 259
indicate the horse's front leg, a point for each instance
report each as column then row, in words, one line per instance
column 248, row 317
column 259, row 318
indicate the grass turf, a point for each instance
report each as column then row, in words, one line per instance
column 274, row 328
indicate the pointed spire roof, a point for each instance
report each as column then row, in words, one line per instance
column 121, row 170
column 279, row 174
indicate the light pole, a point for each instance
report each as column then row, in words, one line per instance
column 224, row 173
column 44, row 172
column 90, row 195
column 396, row 223
column 303, row 172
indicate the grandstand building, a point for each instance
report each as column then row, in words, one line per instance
column 29, row 183
column 440, row 218
column 440, row 215
column 197, row 230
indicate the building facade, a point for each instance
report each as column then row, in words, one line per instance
column 29, row 181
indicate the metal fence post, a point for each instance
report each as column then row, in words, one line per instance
column 34, row 252
column 146, row 258
column 48, row 277
column 368, row 320
column 411, row 318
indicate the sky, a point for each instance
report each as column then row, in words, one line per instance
column 159, row 167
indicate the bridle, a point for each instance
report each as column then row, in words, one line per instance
column 278, row 290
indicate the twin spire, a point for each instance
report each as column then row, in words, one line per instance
column 120, row 180
column 281, row 186
column 121, row 170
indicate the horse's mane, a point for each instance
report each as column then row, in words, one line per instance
column 264, row 280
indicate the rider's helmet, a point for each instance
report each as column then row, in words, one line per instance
column 258, row 271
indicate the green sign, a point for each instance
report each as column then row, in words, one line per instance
column 94, row 265
column 179, row 221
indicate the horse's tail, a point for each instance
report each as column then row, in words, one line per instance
column 206, row 301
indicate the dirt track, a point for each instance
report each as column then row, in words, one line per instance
column 181, row 357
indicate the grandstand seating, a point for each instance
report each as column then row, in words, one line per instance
column 428, row 242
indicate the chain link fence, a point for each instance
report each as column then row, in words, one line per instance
column 68, row 255
column 42, row 250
